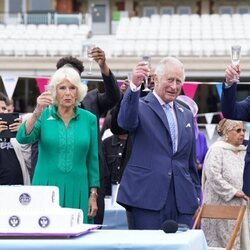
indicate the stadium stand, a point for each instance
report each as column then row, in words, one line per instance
column 158, row 35
column 183, row 35
column 42, row 40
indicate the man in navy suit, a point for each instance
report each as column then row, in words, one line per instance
column 160, row 181
column 232, row 109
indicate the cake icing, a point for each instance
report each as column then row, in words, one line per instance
column 35, row 209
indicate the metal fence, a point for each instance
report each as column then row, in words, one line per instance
column 44, row 18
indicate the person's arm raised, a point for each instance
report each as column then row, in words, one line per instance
column 43, row 101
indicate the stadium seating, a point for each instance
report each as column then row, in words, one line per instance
column 158, row 35
column 184, row 35
column 42, row 39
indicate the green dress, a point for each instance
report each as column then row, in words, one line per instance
column 68, row 157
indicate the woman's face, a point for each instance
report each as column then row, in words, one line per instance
column 236, row 135
column 66, row 94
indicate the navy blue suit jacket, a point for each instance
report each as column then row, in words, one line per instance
column 232, row 109
column 152, row 164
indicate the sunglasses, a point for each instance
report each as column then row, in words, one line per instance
column 238, row 130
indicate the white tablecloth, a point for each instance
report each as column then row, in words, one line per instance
column 115, row 239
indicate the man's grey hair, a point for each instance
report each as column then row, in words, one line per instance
column 161, row 67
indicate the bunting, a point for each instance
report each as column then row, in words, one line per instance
column 9, row 83
column 119, row 83
column 41, row 82
column 84, row 81
column 209, row 117
column 189, row 88
column 210, row 128
column 219, row 88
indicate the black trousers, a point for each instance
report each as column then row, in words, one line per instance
column 101, row 207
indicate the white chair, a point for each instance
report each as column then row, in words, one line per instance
column 220, row 48
column 30, row 48
column 128, row 48
column 64, row 48
column 197, row 48
column 42, row 47
column 19, row 47
column 151, row 48
column 185, row 47
column 76, row 47
column 163, row 47
column 174, row 48
column 118, row 48
column 139, row 48
column 1, row 46
column 53, row 47
column 8, row 47
column 208, row 47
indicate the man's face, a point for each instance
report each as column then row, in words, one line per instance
column 3, row 107
column 168, row 86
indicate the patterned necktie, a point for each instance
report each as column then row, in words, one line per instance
column 172, row 125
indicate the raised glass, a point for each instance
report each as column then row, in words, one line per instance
column 235, row 57
column 89, row 48
column 47, row 88
column 146, row 60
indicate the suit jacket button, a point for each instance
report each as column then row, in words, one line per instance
column 169, row 173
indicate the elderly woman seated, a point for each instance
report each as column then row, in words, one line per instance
column 222, row 182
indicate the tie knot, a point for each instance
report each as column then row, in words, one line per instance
column 167, row 106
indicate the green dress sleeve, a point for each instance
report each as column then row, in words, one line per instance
column 92, row 156
column 24, row 138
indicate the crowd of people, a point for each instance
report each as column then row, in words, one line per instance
column 156, row 161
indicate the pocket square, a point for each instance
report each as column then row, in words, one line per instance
column 188, row 125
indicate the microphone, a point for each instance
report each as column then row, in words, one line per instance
column 169, row 226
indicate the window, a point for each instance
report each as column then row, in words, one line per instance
column 40, row 6
column 167, row 10
column 184, row 10
column 15, row 6
column 226, row 10
column 99, row 13
column 149, row 11
column 243, row 10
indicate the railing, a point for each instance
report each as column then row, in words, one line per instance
column 44, row 18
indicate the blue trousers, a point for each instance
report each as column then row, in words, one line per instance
column 139, row 218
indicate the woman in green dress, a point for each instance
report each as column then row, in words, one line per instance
column 67, row 138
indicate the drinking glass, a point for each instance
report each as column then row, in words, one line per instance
column 89, row 48
column 235, row 57
column 129, row 76
column 47, row 88
column 146, row 59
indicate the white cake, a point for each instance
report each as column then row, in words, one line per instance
column 35, row 209
column 28, row 197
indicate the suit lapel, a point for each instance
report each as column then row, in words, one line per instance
column 153, row 103
column 157, row 108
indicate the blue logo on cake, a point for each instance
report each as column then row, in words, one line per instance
column 14, row 221
column 24, row 199
column 43, row 221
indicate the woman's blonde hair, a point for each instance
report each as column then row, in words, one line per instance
column 226, row 125
column 71, row 75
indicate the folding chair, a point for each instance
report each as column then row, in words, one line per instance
column 222, row 212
